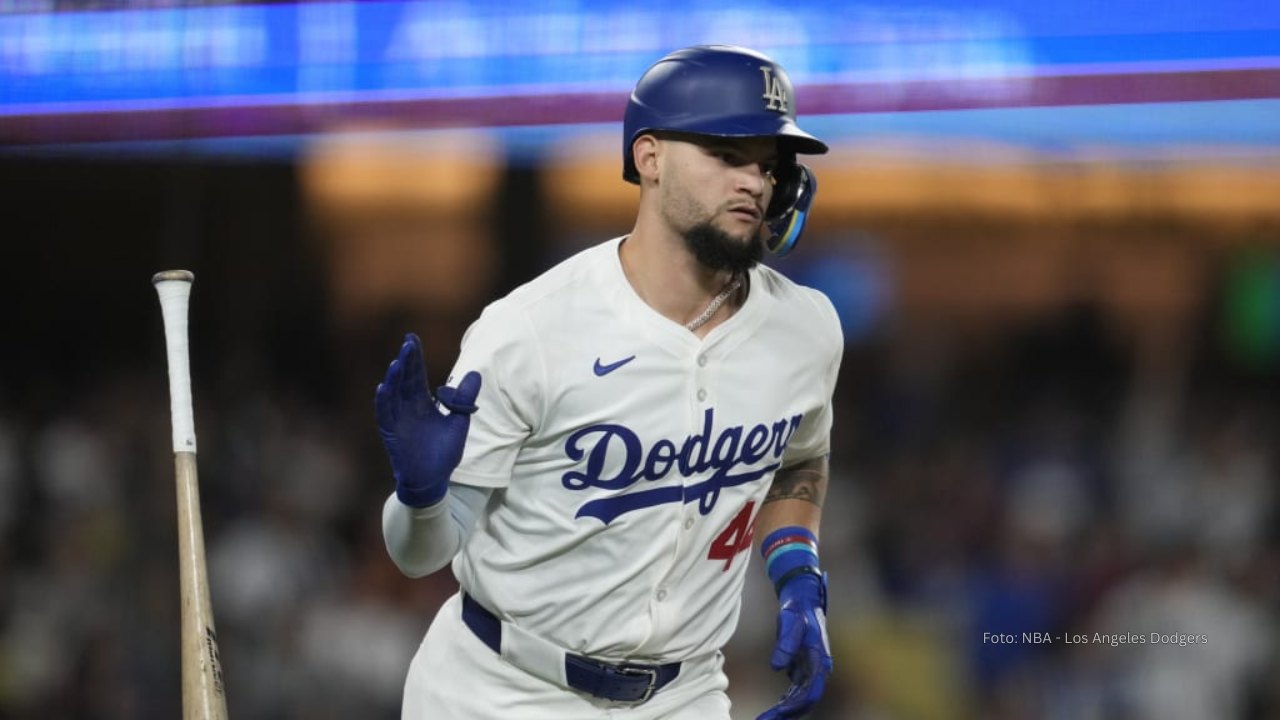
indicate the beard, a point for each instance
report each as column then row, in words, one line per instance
column 715, row 249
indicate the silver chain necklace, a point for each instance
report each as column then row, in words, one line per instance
column 716, row 302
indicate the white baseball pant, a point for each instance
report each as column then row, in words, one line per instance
column 455, row 676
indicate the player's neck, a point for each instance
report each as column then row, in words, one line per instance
column 670, row 280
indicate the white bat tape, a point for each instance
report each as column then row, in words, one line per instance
column 174, row 298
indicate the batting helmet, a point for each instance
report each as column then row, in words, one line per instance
column 728, row 91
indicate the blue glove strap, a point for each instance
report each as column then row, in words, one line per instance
column 419, row 496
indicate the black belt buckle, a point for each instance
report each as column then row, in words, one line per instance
column 640, row 671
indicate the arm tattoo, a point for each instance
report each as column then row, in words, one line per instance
column 803, row 482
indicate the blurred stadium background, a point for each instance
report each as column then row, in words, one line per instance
column 1052, row 231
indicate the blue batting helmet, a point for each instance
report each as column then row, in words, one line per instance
column 728, row 91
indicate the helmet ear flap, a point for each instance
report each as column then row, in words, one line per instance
column 789, row 208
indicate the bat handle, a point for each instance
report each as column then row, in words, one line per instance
column 174, row 289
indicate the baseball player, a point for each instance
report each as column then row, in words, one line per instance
column 619, row 430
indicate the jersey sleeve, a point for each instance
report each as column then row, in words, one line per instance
column 500, row 346
column 813, row 438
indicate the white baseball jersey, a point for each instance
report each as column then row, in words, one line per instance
column 630, row 456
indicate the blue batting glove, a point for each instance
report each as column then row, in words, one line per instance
column 802, row 648
column 423, row 443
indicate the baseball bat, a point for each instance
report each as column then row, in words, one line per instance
column 203, row 692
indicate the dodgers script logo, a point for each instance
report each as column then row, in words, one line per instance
column 735, row 448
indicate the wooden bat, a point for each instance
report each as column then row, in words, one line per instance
column 203, row 692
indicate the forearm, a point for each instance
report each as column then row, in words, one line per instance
column 420, row 541
column 794, row 499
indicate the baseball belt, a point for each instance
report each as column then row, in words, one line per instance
column 624, row 682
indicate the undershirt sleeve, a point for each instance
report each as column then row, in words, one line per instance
column 420, row 541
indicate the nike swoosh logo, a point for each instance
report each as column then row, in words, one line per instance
column 602, row 370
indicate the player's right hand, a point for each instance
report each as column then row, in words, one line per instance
column 423, row 443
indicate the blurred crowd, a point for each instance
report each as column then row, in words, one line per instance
column 1040, row 531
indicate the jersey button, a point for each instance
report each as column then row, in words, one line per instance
column 662, row 595
column 702, row 394
column 688, row 524
column 702, row 361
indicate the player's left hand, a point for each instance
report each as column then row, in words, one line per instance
column 802, row 648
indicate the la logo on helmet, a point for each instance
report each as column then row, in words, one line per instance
column 773, row 91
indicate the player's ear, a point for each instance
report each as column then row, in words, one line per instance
column 647, row 150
